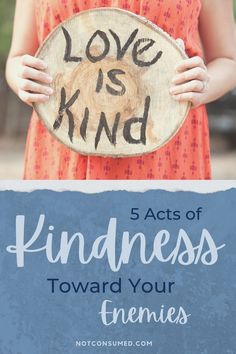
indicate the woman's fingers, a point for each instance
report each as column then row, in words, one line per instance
column 194, row 97
column 29, row 98
column 28, row 60
column 190, row 64
column 191, row 92
column 192, row 86
column 33, row 81
column 34, row 74
column 197, row 73
column 32, row 92
column 191, row 81
column 28, row 85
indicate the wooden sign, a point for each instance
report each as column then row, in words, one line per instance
column 112, row 72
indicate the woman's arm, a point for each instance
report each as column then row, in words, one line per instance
column 202, row 84
column 24, row 73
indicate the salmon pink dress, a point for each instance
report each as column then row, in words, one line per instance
column 186, row 156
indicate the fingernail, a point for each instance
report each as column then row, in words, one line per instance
column 177, row 67
column 46, row 98
column 49, row 91
column 44, row 65
column 172, row 90
column 50, row 79
column 174, row 80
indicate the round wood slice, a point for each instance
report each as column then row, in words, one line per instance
column 112, row 72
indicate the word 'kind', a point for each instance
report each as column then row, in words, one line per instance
column 105, row 246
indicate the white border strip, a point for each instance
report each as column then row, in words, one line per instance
column 100, row 186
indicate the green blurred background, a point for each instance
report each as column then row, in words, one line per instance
column 6, row 17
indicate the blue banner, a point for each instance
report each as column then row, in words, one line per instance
column 127, row 272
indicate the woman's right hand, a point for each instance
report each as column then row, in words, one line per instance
column 33, row 83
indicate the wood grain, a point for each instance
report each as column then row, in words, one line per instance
column 79, row 130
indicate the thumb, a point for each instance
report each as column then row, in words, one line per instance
column 180, row 43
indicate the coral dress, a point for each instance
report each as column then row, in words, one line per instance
column 186, row 156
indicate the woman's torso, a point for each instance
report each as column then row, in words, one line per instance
column 177, row 17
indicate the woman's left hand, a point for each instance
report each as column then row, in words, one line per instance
column 191, row 81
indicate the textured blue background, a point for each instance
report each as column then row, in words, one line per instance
column 33, row 321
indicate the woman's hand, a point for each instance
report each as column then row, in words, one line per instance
column 191, row 81
column 32, row 82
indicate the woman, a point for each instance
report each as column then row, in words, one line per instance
column 200, row 24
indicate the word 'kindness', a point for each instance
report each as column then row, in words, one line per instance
column 106, row 247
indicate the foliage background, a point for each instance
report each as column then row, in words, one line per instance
column 6, row 18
